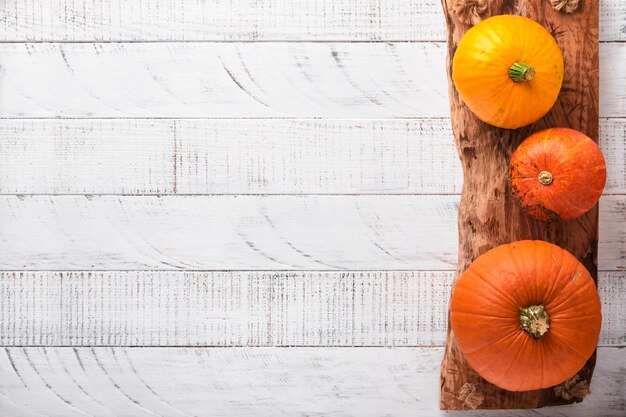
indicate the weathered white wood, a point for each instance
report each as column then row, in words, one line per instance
column 377, row 232
column 358, row 80
column 613, row 145
column 138, row 308
column 317, row 156
column 89, row 157
column 612, row 287
column 330, row 20
column 364, row 382
column 612, row 231
column 228, row 232
column 269, row 156
column 246, row 20
column 215, row 156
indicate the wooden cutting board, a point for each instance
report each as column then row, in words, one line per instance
column 488, row 214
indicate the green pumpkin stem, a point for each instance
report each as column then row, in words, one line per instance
column 534, row 320
column 521, row 71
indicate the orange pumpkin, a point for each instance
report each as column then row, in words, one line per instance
column 526, row 315
column 508, row 70
column 557, row 173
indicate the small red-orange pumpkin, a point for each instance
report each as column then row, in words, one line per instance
column 526, row 315
column 557, row 173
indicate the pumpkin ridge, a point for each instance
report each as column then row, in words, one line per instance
column 558, row 302
column 573, row 200
column 499, row 97
column 457, row 312
column 565, row 370
column 559, row 299
column 491, row 368
column 478, row 346
column 538, row 282
column 559, row 317
column 538, row 357
column 505, row 375
column 549, row 297
column 511, row 332
column 558, row 339
column 499, row 291
column 545, row 153
column 503, row 301
column 542, row 364
column 519, row 271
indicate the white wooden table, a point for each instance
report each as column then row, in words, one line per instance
column 220, row 208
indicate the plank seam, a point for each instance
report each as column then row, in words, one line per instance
column 227, row 41
column 304, row 118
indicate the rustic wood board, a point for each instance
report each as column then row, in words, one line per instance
column 243, row 80
column 264, row 382
column 244, row 308
column 251, row 156
column 488, row 214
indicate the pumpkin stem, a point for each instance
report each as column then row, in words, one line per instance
column 534, row 320
column 545, row 177
column 521, row 71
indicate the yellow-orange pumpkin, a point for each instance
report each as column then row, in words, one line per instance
column 557, row 173
column 508, row 70
column 526, row 315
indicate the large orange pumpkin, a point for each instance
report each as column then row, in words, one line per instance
column 526, row 315
column 508, row 70
column 557, row 173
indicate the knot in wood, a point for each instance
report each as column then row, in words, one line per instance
column 565, row 6
column 573, row 389
column 469, row 12
column 470, row 396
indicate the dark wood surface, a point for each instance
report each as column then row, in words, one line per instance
column 488, row 214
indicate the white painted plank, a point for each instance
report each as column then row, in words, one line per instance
column 612, row 232
column 133, row 308
column 364, row 382
column 86, row 157
column 613, row 145
column 251, row 156
column 396, row 232
column 228, row 232
column 129, row 156
column 337, row 80
column 317, row 156
column 245, row 20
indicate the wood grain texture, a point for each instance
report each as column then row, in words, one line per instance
column 399, row 232
column 223, row 156
column 247, row 20
column 281, row 308
column 87, row 157
column 213, row 156
column 284, row 20
column 244, row 80
column 488, row 213
column 364, row 382
column 227, row 232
